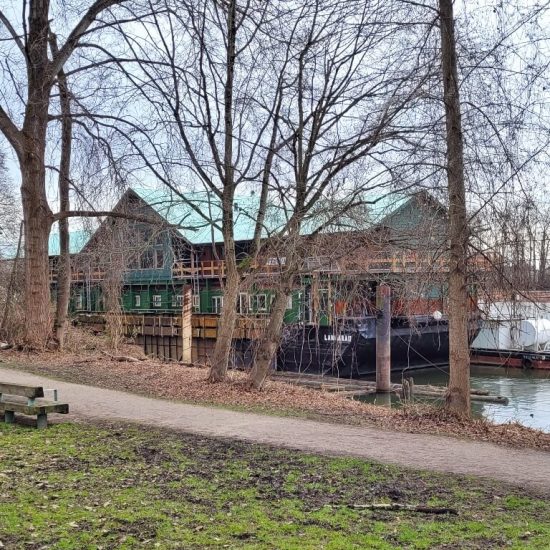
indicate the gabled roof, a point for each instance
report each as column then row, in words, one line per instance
column 199, row 214
column 77, row 240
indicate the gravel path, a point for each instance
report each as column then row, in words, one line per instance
column 526, row 468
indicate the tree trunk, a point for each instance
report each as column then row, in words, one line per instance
column 37, row 218
column 112, row 292
column 458, row 395
column 271, row 338
column 543, row 259
column 226, row 325
column 63, row 282
column 228, row 318
column 270, row 342
column 64, row 265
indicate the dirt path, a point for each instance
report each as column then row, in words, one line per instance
column 526, row 468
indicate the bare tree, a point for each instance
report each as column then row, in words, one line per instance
column 345, row 111
column 9, row 216
column 202, row 81
column 271, row 98
column 458, row 398
column 64, row 260
column 11, row 280
column 494, row 116
column 33, row 74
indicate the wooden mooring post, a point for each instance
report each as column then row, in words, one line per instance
column 186, row 326
column 383, row 339
column 407, row 389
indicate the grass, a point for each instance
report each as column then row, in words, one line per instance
column 87, row 486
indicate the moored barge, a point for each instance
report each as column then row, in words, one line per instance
column 347, row 349
column 519, row 343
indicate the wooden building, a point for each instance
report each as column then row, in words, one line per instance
column 169, row 248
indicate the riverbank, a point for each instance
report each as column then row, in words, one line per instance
column 189, row 385
column 527, row 390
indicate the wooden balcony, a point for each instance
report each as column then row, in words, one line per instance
column 80, row 275
column 94, row 274
column 410, row 263
column 205, row 270
column 212, row 269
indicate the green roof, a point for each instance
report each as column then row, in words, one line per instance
column 77, row 240
column 199, row 214
column 199, row 217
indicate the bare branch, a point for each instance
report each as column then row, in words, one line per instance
column 81, row 27
column 10, row 130
column 13, row 34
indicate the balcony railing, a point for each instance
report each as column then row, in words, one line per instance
column 408, row 263
column 80, row 275
column 208, row 269
column 396, row 264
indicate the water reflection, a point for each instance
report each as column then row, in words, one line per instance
column 528, row 392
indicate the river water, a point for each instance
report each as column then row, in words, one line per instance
column 528, row 392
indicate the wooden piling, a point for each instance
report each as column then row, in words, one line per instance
column 383, row 339
column 186, row 326
column 355, row 388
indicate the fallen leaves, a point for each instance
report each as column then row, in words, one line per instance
column 189, row 383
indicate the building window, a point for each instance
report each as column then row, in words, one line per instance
column 217, row 304
column 243, row 303
column 177, row 300
column 147, row 260
column 78, row 301
column 261, row 302
column 323, row 301
column 137, row 300
column 196, row 301
column 159, row 258
column 276, row 261
column 157, row 300
column 258, row 303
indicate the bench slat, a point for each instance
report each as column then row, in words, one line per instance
column 30, row 392
column 38, row 408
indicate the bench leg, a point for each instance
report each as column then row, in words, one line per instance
column 9, row 417
column 41, row 421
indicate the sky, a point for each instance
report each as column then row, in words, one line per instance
column 481, row 6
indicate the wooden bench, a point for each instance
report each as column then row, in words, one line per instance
column 21, row 399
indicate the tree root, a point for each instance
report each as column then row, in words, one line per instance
column 122, row 358
column 394, row 506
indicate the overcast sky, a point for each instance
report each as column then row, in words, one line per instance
column 479, row 8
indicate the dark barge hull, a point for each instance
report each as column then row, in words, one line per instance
column 349, row 350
